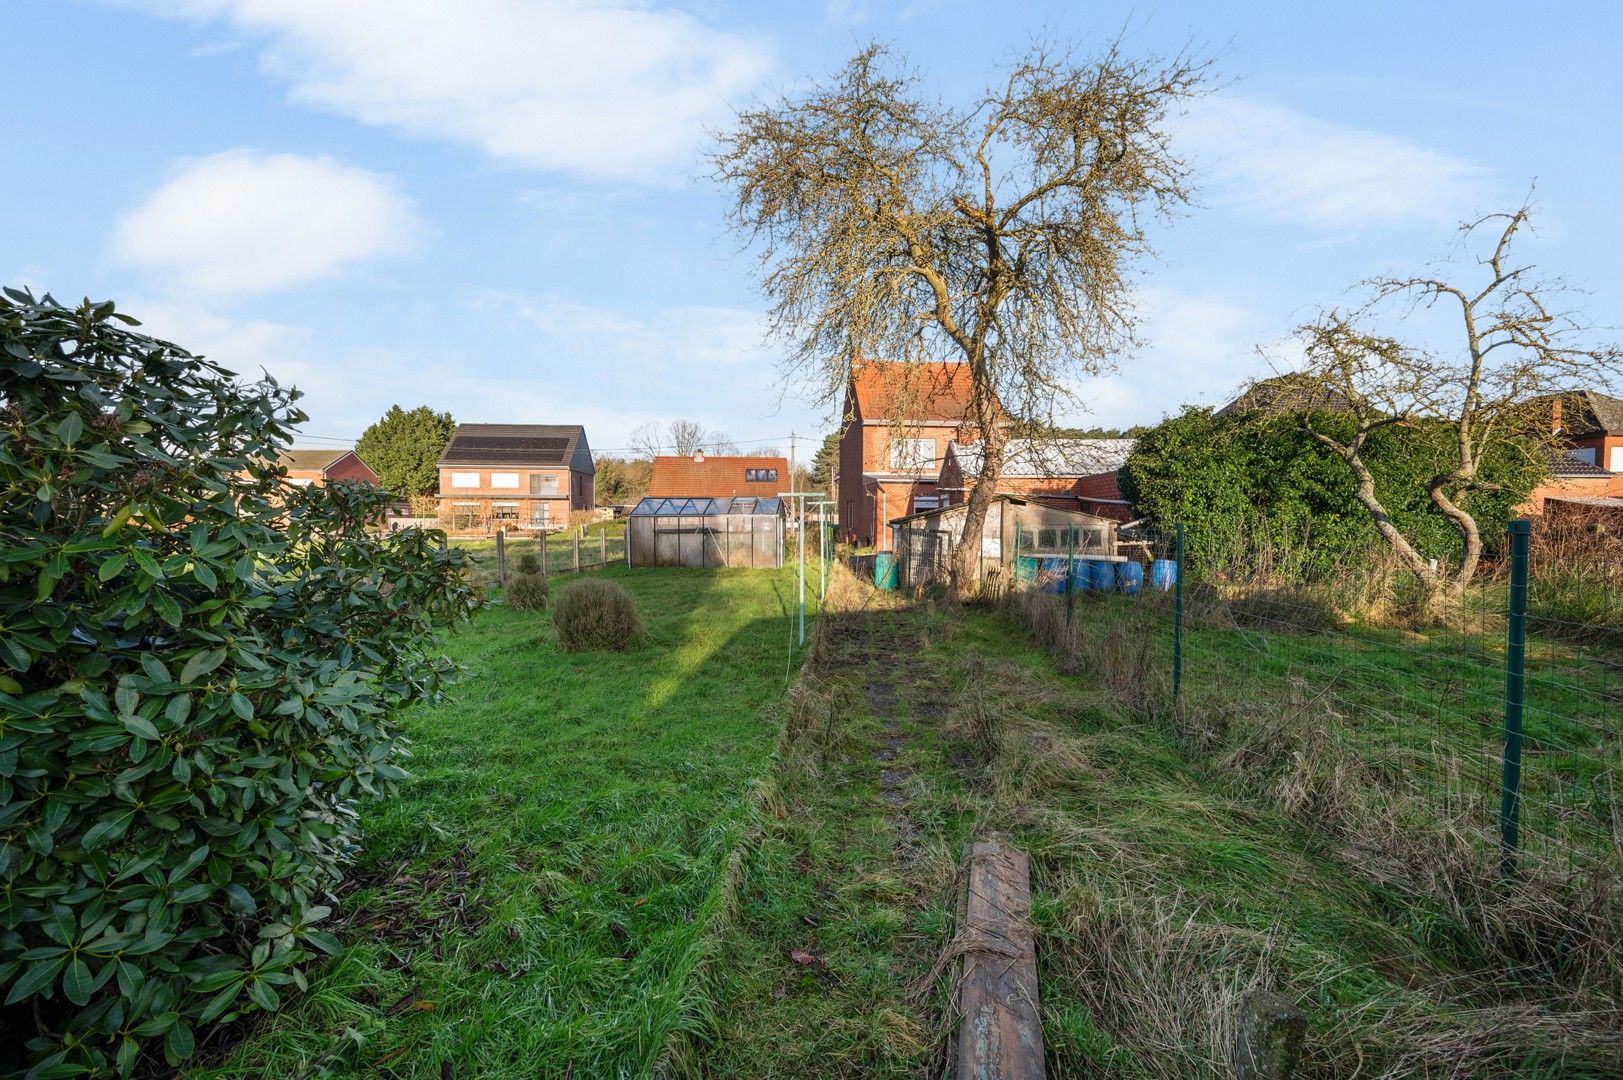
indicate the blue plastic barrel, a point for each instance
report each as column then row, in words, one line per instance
column 1053, row 574
column 1130, row 577
column 886, row 570
column 1104, row 575
column 1164, row 574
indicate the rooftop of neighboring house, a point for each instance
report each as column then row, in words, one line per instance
column 532, row 445
column 1568, row 465
column 921, row 392
column 1038, row 459
column 1294, row 392
column 305, row 459
column 1586, row 413
column 707, row 475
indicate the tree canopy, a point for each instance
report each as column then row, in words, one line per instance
column 404, row 447
column 1253, row 482
column 1001, row 234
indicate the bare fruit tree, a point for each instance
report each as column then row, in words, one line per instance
column 1516, row 348
column 1000, row 235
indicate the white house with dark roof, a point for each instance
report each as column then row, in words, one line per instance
column 515, row 476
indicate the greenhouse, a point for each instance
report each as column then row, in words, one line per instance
column 705, row 532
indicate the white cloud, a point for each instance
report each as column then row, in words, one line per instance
column 1198, row 348
column 1283, row 165
column 617, row 90
column 244, row 223
column 519, row 358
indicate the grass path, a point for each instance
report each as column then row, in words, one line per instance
column 845, row 898
column 533, row 903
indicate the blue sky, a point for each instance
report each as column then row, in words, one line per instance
column 494, row 206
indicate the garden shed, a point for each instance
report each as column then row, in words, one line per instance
column 705, row 532
column 924, row 541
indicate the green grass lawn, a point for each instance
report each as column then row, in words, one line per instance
column 534, row 903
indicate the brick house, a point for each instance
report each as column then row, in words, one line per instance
column 515, row 476
column 898, row 420
column 1586, row 468
column 706, row 476
column 316, row 468
column 1070, row 474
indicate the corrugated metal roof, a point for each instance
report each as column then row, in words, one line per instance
column 707, row 475
column 1609, row 502
column 1048, row 458
column 512, row 444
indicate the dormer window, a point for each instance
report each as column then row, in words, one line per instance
column 761, row 476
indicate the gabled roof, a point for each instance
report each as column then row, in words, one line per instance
column 514, row 444
column 702, row 475
column 1041, row 459
column 1589, row 412
column 921, row 392
column 1294, row 392
column 303, row 459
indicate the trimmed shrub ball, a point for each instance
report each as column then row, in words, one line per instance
column 526, row 592
column 592, row 614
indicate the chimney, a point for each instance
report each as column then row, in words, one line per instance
column 698, row 457
column 1555, row 416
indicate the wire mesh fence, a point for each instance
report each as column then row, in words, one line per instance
column 562, row 552
column 1494, row 720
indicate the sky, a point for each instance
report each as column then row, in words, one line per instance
column 499, row 207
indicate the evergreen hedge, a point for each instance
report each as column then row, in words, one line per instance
column 1241, row 483
column 201, row 670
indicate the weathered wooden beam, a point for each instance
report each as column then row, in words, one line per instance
column 1000, row 1036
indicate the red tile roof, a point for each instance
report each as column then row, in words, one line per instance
column 716, row 477
column 891, row 391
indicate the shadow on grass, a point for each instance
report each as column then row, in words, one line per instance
column 534, row 899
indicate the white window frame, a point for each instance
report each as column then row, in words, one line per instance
column 545, row 484
column 912, row 454
column 464, row 479
column 1616, row 463
column 922, row 503
column 504, row 480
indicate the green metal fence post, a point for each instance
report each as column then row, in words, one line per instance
column 1070, row 572
column 1016, row 567
column 1177, row 614
column 1515, row 698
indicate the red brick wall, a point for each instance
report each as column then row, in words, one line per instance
column 351, row 468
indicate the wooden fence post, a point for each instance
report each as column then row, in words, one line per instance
column 541, row 539
column 577, row 553
column 603, row 546
column 501, row 557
